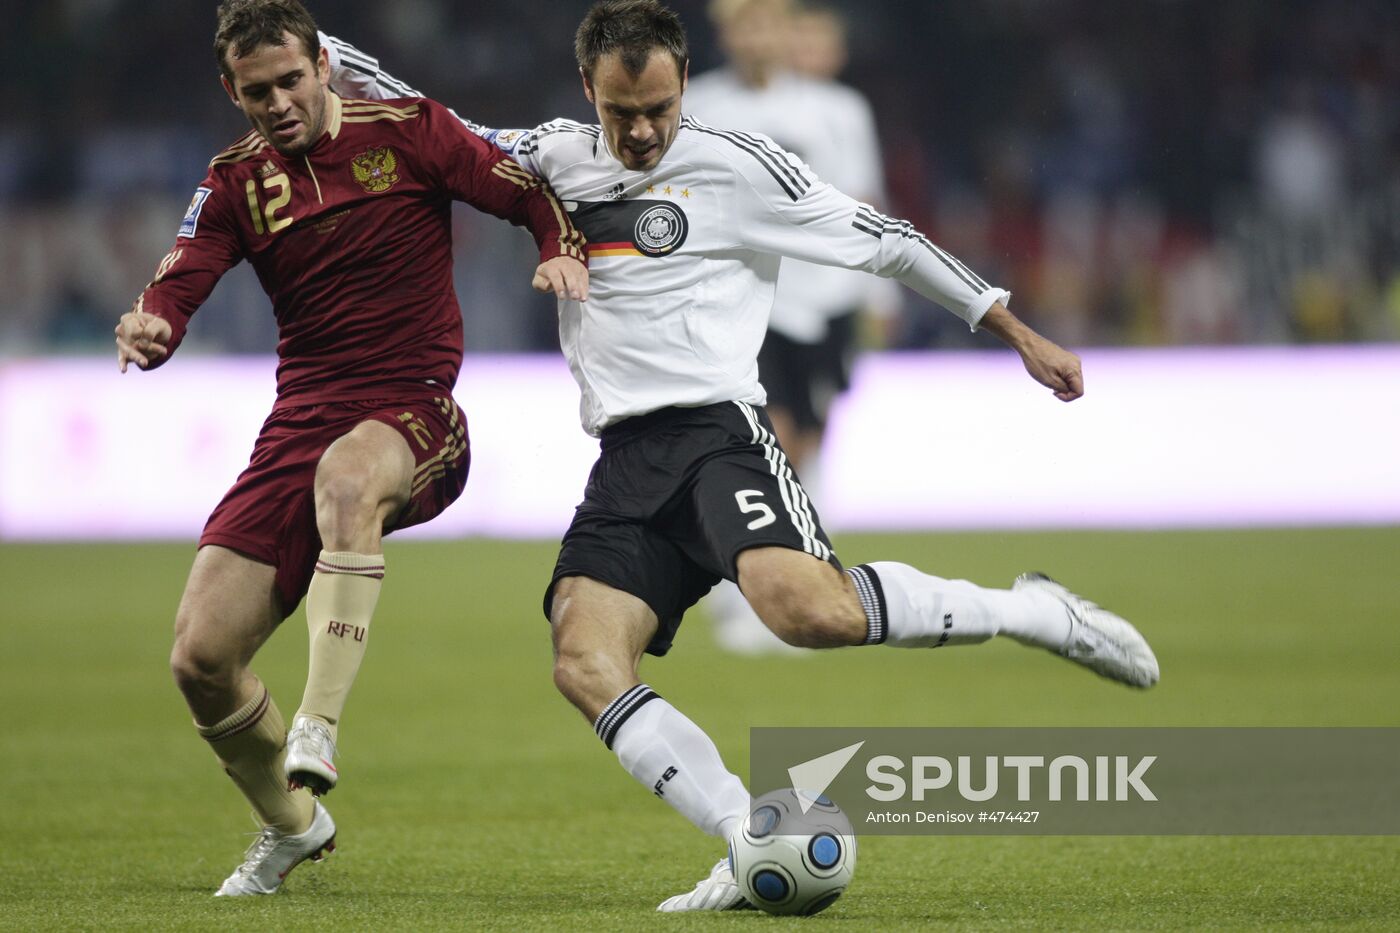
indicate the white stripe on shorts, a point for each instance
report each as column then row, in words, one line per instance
column 799, row 508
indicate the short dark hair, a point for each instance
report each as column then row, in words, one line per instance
column 632, row 28
column 244, row 25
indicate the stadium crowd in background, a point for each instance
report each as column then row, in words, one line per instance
column 1254, row 197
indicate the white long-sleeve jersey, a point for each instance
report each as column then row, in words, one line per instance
column 683, row 259
column 831, row 127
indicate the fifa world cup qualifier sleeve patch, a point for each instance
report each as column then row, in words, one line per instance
column 190, row 224
column 508, row 141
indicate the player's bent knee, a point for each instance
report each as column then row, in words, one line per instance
column 578, row 667
column 591, row 680
column 570, row 679
column 599, row 636
column 200, row 670
column 590, row 674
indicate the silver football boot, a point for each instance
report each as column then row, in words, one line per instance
column 274, row 854
column 1101, row 641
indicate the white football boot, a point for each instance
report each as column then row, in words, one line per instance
column 1098, row 639
column 274, row 854
column 310, row 756
column 717, row 892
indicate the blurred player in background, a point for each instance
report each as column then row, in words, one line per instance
column 806, row 356
column 819, row 49
column 687, row 225
column 343, row 208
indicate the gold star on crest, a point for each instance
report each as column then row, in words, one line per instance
column 651, row 189
column 685, row 192
column 667, row 189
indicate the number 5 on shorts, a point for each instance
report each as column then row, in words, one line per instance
column 766, row 516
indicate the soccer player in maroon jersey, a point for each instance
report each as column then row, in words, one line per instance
column 343, row 209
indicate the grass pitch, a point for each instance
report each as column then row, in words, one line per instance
column 475, row 798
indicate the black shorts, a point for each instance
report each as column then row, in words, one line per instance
column 674, row 498
column 803, row 378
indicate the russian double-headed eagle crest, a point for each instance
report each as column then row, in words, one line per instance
column 376, row 169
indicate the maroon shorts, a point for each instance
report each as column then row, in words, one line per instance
column 270, row 513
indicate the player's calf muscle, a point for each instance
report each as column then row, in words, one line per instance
column 813, row 624
column 805, row 602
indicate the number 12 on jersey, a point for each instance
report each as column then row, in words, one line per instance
column 745, row 499
column 273, row 223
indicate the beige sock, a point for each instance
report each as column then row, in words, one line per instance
column 251, row 745
column 339, row 605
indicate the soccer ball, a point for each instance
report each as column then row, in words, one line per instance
column 790, row 862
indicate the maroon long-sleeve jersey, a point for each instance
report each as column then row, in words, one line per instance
column 352, row 242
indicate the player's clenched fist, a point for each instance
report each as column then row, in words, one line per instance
column 1055, row 368
column 141, row 338
column 565, row 277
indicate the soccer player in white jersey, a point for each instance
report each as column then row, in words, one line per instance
column 806, row 356
column 687, row 226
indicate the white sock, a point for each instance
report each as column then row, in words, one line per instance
column 910, row 609
column 673, row 759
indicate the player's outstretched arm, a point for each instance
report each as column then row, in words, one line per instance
column 141, row 338
column 785, row 210
column 1049, row 364
column 564, row 276
column 206, row 246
